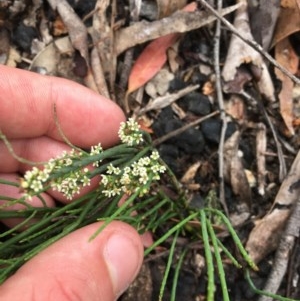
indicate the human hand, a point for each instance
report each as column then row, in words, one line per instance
column 72, row 268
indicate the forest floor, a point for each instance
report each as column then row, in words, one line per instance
column 221, row 111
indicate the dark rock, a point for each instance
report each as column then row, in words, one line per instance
column 23, row 35
column 176, row 84
column 199, row 78
column 169, row 153
column 159, row 125
column 211, row 129
column 80, row 66
column 194, row 47
column 83, row 7
column 196, row 103
column 190, row 141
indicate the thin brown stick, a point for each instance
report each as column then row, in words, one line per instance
column 218, row 85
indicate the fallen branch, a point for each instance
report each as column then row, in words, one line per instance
column 180, row 21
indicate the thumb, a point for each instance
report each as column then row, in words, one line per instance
column 75, row 268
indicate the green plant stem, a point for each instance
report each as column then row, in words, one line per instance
column 170, row 232
column 264, row 293
column 208, row 257
column 116, row 213
column 168, row 267
column 42, row 223
column 18, row 226
column 228, row 254
column 221, row 271
column 176, row 275
column 235, row 238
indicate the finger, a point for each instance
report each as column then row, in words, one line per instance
column 39, row 149
column 14, row 192
column 76, row 269
column 27, row 109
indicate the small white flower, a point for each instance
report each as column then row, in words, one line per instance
column 154, row 155
column 68, row 161
column 125, row 180
column 143, row 179
column 96, row 149
column 108, row 193
column 43, row 175
column 104, row 180
column 129, row 132
column 96, row 164
column 85, row 181
column 36, row 186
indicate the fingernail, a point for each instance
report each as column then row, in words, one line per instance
column 122, row 258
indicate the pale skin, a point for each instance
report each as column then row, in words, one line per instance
column 72, row 268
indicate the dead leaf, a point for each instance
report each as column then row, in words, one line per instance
column 159, row 84
column 265, row 235
column 234, row 172
column 48, row 58
column 288, row 23
column 241, row 53
column 168, row 7
column 172, row 55
column 235, row 107
column 288, row 3
column 208, row 88
column 59, row 27
column 287, row 58
column 152, row 58
column 145, row 124
column 190, row 174
column 261, row 147
column 263, row 19
column 242, row 76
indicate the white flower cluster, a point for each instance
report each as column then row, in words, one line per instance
column 71, row 185
column 131, row 178
column 96, row 150
column 35, row 180
column 70, row 180
column 130, row 133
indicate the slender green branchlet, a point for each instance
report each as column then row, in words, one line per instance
column 115, row 181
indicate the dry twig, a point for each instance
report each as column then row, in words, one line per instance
column 222, row 109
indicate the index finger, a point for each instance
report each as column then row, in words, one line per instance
column 27, row 102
